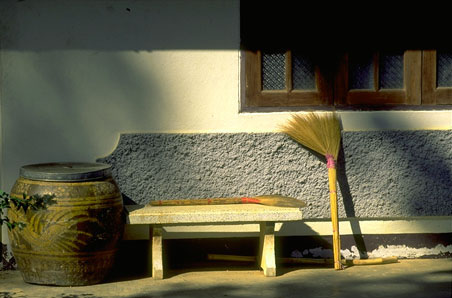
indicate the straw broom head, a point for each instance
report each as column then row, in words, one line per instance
column 320, row 132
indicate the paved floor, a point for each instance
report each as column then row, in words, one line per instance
column 409, row 278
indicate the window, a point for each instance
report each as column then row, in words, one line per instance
column 379, row 78
column 358, row 78
column 291, row 78
column 437, row 77
column 290, row 62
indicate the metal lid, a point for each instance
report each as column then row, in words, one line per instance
column 66, row 171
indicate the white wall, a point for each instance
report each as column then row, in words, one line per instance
column 76, row 74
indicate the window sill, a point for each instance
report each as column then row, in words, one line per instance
column 356, row 119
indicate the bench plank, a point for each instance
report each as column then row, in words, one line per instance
column 146, row 214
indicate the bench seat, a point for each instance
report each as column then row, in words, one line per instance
column 160, row 216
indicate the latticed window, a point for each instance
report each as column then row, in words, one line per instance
column 286, row 65
column 405, row 77
column 285, row 78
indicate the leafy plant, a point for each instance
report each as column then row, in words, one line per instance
column 34, row 202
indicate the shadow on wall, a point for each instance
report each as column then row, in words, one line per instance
column 119, row 25
column 411, row 169
column 425, row 164
column 78, row 100
column 408, row 169
column 75, row 73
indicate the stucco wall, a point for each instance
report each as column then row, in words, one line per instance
column 380, row 173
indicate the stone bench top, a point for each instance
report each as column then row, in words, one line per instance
column 199, row 214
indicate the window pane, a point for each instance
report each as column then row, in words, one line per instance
column 303, row 75
column 444, row 69
column 273, row 70
column 391, row 70
column 361, row 71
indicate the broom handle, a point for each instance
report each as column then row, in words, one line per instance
column 376, row 261
column 331, row 164
column 213, row 201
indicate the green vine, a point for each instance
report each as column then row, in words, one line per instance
column 34, row 202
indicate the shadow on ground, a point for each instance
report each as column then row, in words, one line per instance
column 319, row 284
column 408, row 278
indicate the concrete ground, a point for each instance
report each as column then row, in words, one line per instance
column 430, row 278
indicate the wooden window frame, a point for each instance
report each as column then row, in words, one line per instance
column 257, row 97
column 410, row 94
column 431, row 94
column 420, row 88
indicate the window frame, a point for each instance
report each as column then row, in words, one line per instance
column 431, row 94
column 410, row 94
column 257, row 97
column 332, row 86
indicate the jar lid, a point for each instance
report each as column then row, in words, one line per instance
column 66, row 171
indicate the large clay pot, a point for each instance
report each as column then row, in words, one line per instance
column 74, row 241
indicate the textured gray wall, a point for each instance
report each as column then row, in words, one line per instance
column 380, row 174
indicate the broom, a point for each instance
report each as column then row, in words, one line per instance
column 269, row 200
column 321, row 133
column 375, row 261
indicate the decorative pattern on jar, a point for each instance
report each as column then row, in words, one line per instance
column 74, row 241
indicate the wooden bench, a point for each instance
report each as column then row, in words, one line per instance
column 161, row 216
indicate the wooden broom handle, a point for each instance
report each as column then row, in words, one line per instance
column 331, row 165
column 375, row 261
column 212, row 201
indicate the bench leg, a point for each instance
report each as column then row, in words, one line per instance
column 156, row 235
column 267, row 248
